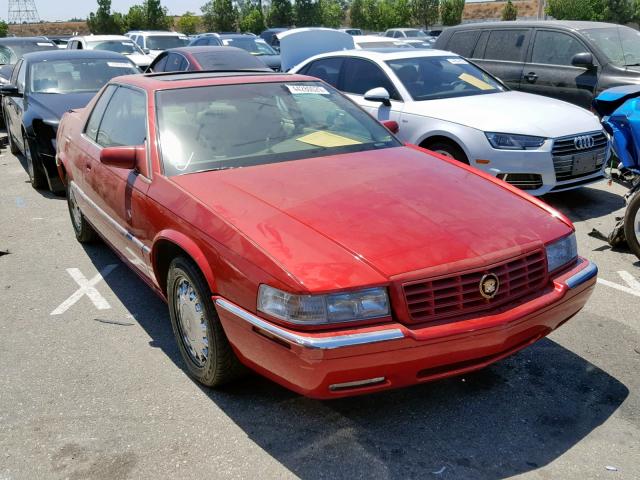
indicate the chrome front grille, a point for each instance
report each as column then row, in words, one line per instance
column 567, row 150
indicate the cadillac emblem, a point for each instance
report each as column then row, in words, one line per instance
column 489, row 285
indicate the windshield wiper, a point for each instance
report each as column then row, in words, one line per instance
column 632, row 65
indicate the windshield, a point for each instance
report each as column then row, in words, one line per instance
column 125, row 47
column 414, row 33
column 7, row 56
column 76, row 76
column 251, row 45
column 280, row 122
column 165, row 42
column 381, row 44
column 431, row 78
column 621, row 45
column 19, row 49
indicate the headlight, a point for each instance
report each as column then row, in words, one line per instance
column 322, row 309
column 561, row 252
column 507, row 141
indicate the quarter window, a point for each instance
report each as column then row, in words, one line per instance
column 363, row 75
column 175, row 63
column 91, row 130
column 462, row 43
column 327, row 69
column 555, row 48
column 507, row 45
column 160, row 64
column 124, row 120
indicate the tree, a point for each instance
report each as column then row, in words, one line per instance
column 103, row 22
column 510, row 11
column 331, row 13
column 188, row 23
column 156, row 17
column 135, row 18
column 618, row 11
column 307, row 13
column 280, row 13
column 576, row 9
column 426, row 12
column 219, row 16
column 252, row 20
column 451, row 11
column 4, row 28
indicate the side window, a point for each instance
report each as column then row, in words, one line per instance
column 478, row 52
column 91, row 129
column 200, row 41
column 363, row 75
column 397, row 34
column 555, row 48
column 124, row 120
column 160, row 65
column 463, row 42
column 140, row 41
column 79, row 45
column 22, row 77
column 327, row 69
column 175, row 63
column 507, row 45
column 388, row 34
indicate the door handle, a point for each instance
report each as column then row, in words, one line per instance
column 88, row 165
column 531, row 77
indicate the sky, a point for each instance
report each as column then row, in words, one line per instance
column 52, row 10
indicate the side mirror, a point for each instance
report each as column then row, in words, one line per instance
column 122, row 157
column 10, row 91
column 584, row 59
column 391, row 125
column 146, row 51
column 378, row 94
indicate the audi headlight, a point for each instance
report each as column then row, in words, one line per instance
column 561, row 252
column 507, row 141
column 322, row 309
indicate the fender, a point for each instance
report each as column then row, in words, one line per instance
column 507, row 186
column 190, row 247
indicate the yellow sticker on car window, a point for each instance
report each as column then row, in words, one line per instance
column 476, row 82
column 327, row 140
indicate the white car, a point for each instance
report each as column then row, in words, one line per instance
column 112, row 43
column 442, row 102
column 366, row 42
column 154, row 42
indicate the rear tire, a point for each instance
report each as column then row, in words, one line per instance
column 83, row 231
column 632, row 224
column 35, row 169
column 448, row 149
column 201, row 339
column 13, row 148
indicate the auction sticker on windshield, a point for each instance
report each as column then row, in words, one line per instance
column 118, row 65
column 298, row 89
column 457, row 61
column 476, row 82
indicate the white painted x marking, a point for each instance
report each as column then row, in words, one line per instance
column 87, row 287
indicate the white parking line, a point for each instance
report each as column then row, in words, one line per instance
column 86, row 288
column 632, row 287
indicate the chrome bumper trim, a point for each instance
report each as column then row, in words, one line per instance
column 587, row 273
column 323, row 343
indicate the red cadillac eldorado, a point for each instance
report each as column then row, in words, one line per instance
column 291, row 233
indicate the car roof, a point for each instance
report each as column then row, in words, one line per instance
column 155, row 32
column 176, row 80
column 564, row 24
column 19, row 40
column 101, row 37
column 383, row 54
column 61, row 54
column 236, row 35
column 206, row 49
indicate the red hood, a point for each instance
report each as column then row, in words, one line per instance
column 371, row 215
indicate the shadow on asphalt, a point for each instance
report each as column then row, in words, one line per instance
column 515, row 416
column 585, row 203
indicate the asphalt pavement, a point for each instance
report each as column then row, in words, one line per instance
column 92, row 385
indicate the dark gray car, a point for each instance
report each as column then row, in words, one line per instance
column 571, row 61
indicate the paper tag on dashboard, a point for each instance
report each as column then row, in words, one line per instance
column 118, row 64
column 313, row 89
column 457, row 61
column 43, row 44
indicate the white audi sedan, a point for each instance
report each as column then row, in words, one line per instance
column 442, row 102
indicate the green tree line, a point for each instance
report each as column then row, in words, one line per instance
column 616, row 11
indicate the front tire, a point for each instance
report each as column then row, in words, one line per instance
column 448, row 149
column 202, row 342
column 35, row 169
column 632, row 224
column 13, row 148
column 83, row 231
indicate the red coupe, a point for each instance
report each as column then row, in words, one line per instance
column 292, row 234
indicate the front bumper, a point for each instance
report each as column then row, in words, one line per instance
column 336, row 364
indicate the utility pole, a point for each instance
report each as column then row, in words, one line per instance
column 541, row 14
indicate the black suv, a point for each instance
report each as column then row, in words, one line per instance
column 571, row 61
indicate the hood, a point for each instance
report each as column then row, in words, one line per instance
column 55, row 105
column 328, row 221
column 298, row 44
column 510, row 112
column 271, row 61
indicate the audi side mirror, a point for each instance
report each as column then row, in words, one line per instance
column 122, row 157
column 10, row 91
column 584, row 60
column 378, row 94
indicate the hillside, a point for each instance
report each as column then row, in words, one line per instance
column 53, row 28
column 493, row 10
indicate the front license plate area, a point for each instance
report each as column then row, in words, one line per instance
column 584, row 163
